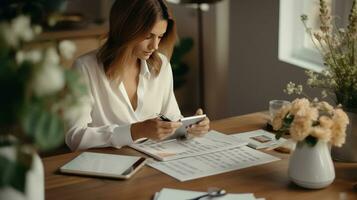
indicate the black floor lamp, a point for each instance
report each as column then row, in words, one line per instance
column 201, row 72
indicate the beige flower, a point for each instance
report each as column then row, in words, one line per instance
column 338, row 136
column 340, row 121
column 325, row 122
column 317, row 119
column 279, row 116
column 325, row 106
column 301, row 107
column 277, row 123
column 341, row 117
column 321, row 133
column 300, row 127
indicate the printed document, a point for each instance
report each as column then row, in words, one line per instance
column 213, row 163
column 174, row 149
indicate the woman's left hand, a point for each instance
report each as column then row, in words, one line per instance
column 201, row 128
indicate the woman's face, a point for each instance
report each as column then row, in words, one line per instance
column 145, row 48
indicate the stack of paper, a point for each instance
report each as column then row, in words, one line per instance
column 173, row 194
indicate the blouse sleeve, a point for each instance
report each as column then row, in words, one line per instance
column 170, row 107
column 80, row 136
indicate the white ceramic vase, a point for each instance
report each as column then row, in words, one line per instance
column 311, row 167
column 34, row 186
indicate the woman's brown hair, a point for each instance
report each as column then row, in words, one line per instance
column 129, row 23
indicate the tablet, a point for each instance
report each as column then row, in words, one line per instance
column 104, row 165
column 186, row 122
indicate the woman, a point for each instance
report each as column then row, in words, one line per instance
column 130, row 80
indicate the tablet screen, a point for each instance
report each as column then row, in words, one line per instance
column 187, row 121
column 100, row 164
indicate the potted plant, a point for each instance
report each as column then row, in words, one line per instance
column 313, row 125
column 179, row 67
column 38, row 97
column 338, row 47
column 40, row 11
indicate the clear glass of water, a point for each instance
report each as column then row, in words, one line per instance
column 275, row 105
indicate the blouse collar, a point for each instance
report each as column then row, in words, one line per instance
column 144, row 69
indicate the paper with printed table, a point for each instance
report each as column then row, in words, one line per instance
column 213, row 141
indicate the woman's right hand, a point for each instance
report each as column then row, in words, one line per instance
column 154, row 129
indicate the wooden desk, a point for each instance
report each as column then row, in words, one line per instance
column 269, row 180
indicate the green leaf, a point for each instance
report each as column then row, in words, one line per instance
column 30, row 119
column 181, row 48
column 315, row 123
column 45, row 128
column 12, row 174
column 288, row 119
column 279, row 134
column 50, row 134
column 6, row 142
column 180, row 70
column 178, row 83
column 311, row 140
column 185, row 44
column 75, row 82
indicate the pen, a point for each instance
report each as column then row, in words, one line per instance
column 165, row 141
column 163, row 118
column 181, row 137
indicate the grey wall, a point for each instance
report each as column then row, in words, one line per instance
column 186, row 21
column 255, row 73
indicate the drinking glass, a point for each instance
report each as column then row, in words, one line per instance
column 275, row 105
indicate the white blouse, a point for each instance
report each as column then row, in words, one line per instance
column 108, row 119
